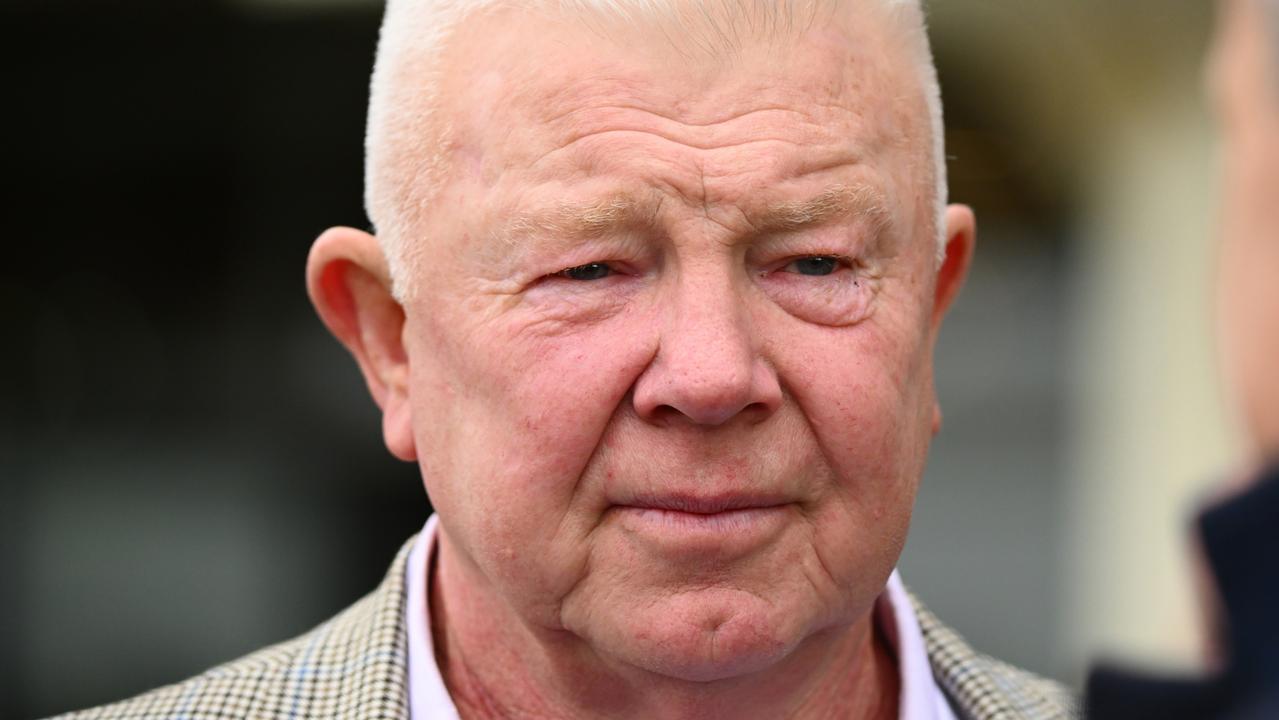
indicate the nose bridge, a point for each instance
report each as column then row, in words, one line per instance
column 707, row 330
column 707, row 367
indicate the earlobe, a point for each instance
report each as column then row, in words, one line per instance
column 397, row 428
column 350, row 287
column 961, row 241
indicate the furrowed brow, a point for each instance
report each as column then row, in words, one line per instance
column 571, row 222
column 836, row 202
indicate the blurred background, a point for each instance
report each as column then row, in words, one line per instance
column 190, row 467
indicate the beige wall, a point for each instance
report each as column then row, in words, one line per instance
column 1147, row 431
column 1108, row 96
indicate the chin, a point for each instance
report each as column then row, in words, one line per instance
column 708, row 635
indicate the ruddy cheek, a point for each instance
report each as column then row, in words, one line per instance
column 566, row 386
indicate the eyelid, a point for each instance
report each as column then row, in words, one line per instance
column 840, row 264
column 845, row 261
column 616, row 268
column 571, row 268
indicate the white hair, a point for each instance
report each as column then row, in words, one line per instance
column 405, row 146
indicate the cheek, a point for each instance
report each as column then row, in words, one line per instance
column 864, row 394
column 866, row 391
column 509, row 419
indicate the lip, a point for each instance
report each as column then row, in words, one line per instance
column 704, row 504
column 720, row 525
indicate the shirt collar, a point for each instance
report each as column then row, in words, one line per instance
column 921, row 698
column 428, row 697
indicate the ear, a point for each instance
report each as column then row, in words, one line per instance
column 961, row 242
column 350, row 286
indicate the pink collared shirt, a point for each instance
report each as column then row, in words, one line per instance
column 921, row 698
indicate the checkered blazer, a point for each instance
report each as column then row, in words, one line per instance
column 353, row 667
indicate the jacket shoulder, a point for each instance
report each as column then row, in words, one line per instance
column 241, row 688
column 983, row 688
column 351, row 666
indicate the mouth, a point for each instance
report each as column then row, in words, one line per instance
column 715, row 524
column 704, row 504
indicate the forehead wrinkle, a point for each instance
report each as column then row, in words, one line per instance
column 837, row 201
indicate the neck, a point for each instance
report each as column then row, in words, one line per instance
column 496, row 666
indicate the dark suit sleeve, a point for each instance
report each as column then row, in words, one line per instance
column 1241, row 541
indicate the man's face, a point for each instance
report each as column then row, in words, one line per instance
column 701, row 445
column 1246, row 90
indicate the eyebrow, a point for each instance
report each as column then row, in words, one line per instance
column 586, row 219
column 573, row 221
column 836, row 202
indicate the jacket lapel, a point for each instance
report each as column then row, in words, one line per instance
column 982, row 688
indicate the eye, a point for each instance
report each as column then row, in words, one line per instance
column 824, row 289
column 588, row 272
column 816, row 266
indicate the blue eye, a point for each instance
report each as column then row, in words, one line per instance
column 817, row 266
column 588, row 272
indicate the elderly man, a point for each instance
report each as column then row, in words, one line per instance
column 652, row 304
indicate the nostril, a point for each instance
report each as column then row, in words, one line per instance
column 757, row 410
column 665, row 412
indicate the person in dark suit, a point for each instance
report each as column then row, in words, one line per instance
column 1240, row 534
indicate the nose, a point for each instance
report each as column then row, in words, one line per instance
column 707, row 370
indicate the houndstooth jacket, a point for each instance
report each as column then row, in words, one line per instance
column 353, row 667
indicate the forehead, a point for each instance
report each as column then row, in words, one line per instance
column 552, row 99
column 513, row 63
